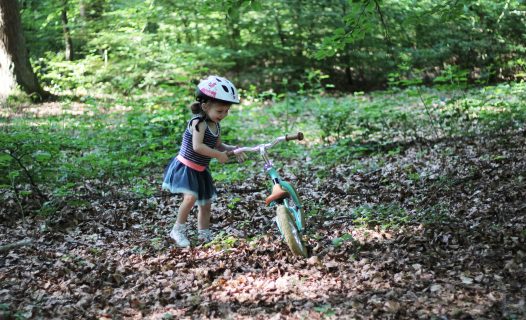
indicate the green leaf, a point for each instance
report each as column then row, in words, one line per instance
column 25, row 193
column 5, row 159
column 42, row 156
column 13, row 175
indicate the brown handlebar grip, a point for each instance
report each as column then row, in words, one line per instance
column 297, row 136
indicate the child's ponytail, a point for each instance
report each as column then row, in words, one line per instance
column 196, row 108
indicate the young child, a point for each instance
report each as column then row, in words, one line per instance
column 188, row 172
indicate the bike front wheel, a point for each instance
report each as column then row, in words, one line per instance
column 288, row 229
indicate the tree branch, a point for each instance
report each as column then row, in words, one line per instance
column 14, row 245
column 379, row 10
column 30, row 177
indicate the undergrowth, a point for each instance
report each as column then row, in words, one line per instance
column 47, row 160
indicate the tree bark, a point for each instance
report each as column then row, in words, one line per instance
column 15, row 67
column 82, row 9
column 68, row 43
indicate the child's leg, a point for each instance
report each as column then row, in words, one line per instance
column 178, row 232
column 203, row 223
column 185, row 208
column 203, row 218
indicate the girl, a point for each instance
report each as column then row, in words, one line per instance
column 188, row 172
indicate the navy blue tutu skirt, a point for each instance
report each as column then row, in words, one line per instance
column 178, row 178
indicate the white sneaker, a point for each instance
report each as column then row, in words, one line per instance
column 178, row 233
column 205, row 235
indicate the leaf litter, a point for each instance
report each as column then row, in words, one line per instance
column 454, row 247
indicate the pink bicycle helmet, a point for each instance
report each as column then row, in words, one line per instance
column 217, row 88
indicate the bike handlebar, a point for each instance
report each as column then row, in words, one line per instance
column 297, row 136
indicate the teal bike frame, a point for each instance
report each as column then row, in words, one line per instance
column 293, row 206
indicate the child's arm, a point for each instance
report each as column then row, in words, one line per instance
column 226, row 147
column 223, row 146
column 200, row 147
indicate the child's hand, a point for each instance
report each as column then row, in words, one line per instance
column 240, row 157
column 222, row 157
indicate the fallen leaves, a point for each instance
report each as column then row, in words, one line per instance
column 115, row 260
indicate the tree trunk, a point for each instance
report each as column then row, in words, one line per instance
column 14, row 60
column 82, row 9
column 233, row 19
column 91, row 9
column 68, row 43
column 279, row 29
column 346, row 59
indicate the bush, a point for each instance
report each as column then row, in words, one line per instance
column 50, row 162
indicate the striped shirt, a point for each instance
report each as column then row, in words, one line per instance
column 188, row 156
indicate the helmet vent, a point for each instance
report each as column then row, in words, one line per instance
column 217, row 88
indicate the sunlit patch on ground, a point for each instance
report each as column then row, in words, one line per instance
column 53, row 109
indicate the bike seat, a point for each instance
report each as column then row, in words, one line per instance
column 277, row 194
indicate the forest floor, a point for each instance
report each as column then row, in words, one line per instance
column 460, row 253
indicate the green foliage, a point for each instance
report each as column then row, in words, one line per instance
column 326, row 310
column 55, row 159
column 385, row 216
column 233, row 202
column 29, row 157
column 357, row 121
column 356, row 126
column 358, row 23
column 430, row 36
column 52, row 160
column 150, row 46
column 492, row 108
column 222, row 241
column 452, row 77
column 337, row 242
column 333, row 119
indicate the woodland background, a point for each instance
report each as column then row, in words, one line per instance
column 412, row 172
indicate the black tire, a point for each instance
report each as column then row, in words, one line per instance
column 290, row 232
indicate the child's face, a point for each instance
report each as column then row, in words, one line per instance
column 217, row 110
